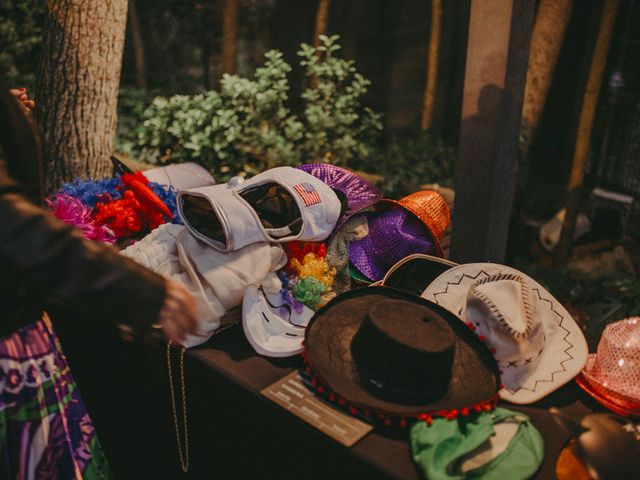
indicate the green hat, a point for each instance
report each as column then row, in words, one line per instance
column 492, row 445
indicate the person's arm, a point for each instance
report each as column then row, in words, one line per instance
column 53, row 257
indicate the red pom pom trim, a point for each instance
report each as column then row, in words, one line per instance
column 321, row 388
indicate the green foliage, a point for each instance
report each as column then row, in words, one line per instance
column 132, row 102
column 247, row 126
column 336, row 128
column 409, row 161
column 20, row 38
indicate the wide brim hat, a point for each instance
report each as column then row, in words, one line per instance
column 471, row 385
column 564, row 348
column 414, row 273
column 358, row 192
column 415, row 224
column 612, row 375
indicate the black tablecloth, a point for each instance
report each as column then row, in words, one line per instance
column 237, row 433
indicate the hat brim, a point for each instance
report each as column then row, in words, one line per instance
column 475, row 377
column 266, row 329
column 608, row 402
column 565, row 351
column 358, row 277
column 612, row 399
column 414, row 273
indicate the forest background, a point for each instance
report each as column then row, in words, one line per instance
column 410, row 58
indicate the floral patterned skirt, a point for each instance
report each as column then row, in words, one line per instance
column 45, row 430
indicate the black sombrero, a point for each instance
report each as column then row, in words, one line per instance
column 386, row 353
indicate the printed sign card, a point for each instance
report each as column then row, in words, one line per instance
column 291, row 393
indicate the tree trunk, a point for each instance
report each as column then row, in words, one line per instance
column 138, row 45
column 322, row 17
column 229, row 35
column 77, row 90
column 432, row 65
column 548, row 34
column 207, row 58
column 585, row 125
column 485, row 179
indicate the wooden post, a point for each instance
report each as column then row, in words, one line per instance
column 547, row 37
column 432, row 65
column 322, row 19
column 229, row 35
column 585, row 124
column 497, row 56
column 138, row 45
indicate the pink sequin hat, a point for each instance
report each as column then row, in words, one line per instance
column 612, row 375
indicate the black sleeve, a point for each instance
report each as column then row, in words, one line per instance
column 68, row 269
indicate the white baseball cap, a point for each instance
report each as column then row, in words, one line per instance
column 273, row 328
column 222, row 217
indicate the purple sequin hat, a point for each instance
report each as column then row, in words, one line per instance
column 360, row 193
column 393, row 234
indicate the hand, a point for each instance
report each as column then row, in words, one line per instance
column 178, row 315
column 21, row 96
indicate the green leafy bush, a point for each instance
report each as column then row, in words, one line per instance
column 132, row 102
column 247, row 126
column 408, row 161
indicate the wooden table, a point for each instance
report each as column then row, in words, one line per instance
column 238, row 433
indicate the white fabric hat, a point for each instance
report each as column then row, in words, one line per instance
column 181, row 176
column 538, row 345
column 240, row 225
column 273, row 329
column 217, row 280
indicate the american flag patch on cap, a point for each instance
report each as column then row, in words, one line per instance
column 309, row 194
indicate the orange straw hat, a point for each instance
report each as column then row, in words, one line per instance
column 430, row 208
column 414, row 224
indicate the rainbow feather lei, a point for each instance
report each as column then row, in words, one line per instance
column 108, row 209
column 307, row 278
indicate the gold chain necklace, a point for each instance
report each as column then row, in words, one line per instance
column 184, row 457
column 183, row 454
